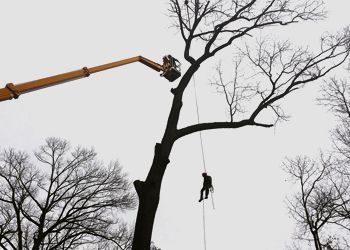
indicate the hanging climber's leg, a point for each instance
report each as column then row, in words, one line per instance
column 201, row 198
column 206, row 193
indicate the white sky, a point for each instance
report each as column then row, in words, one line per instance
column 122, row 114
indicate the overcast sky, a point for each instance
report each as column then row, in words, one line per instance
column 122, row 114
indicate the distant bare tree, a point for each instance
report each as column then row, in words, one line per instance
column 122, row 240
column 336, row 96
column 212, row 26
column 327, row 180
column 315, row 206
column 237, row 92
column 65, row 200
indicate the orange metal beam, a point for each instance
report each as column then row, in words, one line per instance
column 15, row 90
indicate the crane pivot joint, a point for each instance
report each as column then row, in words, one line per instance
column 14, row 92
column 86, row 72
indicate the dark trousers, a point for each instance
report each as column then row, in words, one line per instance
column 206, row 189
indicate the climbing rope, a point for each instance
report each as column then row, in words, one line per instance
column 204, row 166
column 200, row 132
column 204, row 232
column 201, row 138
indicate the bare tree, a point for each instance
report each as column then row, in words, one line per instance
column 336, row 96
column 237, row 92
column 332, row 207
column 67, row 199
column 315, row 206
column 212, row 26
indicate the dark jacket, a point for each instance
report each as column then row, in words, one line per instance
column 207, row 182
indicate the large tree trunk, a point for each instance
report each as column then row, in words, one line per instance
column 148, row 191
column 19, row 228
column 317, row 242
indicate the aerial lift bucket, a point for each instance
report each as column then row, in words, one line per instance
column 171, row 68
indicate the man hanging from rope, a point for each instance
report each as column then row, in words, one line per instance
column 207, row 185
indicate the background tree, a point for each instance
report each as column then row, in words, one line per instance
column 315, row 206
column 321, row 207
column 66, row 200
column 212, row 26
column 336, row 96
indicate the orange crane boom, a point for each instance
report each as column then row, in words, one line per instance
column 170, row 68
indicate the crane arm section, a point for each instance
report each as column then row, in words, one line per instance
column 15, row 90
